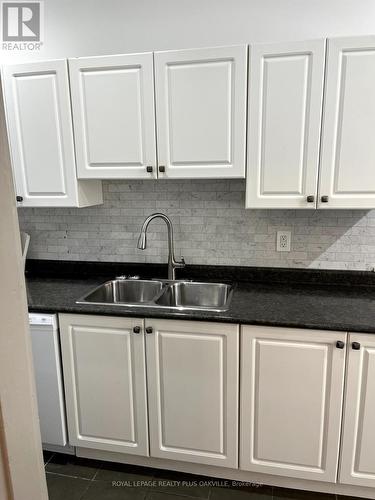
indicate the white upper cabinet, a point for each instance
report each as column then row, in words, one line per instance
column 201, row 112
column 114, row 116
column 291, row 401
column 347, row 178
column 41, row 138
column 192, row 379
column 284, row 118
column 358, row 443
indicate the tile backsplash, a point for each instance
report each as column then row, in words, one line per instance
column 211, row 227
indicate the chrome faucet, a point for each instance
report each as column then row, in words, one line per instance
column 142, row 243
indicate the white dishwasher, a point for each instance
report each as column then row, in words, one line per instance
column 49, row 381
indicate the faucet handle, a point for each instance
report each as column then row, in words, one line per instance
column 181, row 262
column 130, row 277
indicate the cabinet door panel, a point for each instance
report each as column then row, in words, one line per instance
column 358, row 444
column 193, row 391
column 40, row 132
column 285, row 102
column 114, row 119
column 105, row 383
column 348, row 148
column 201, row 112
column 291, row 398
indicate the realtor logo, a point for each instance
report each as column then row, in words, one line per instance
column 22, row 22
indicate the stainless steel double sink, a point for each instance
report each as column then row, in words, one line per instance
column 180, row 295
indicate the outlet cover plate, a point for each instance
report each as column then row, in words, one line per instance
column 283, row 241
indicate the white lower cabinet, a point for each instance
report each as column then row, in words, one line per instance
column 192, row 385
column 358, row 442
column 177, row 390
column 192, row 377
column 291, row 401
column 105, row 382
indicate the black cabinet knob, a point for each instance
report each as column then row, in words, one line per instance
column 137, row 329
column 340, row 344
column 356, row 346
column 149, row 329
column 162, row 168
column 310, row 198
column 324, row 199
column 19, row 198
column 149, row 169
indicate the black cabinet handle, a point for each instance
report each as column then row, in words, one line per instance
column 19, row 198
column 340, row 344
column 149, row 169
column 310, row 198
column 137, row 329
column 149, row 329
column 324, row 199
column 162, row 168
column 356, row 346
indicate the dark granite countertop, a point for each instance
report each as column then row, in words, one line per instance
column 330, row 300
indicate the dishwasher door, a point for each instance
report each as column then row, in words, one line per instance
column 48, row 377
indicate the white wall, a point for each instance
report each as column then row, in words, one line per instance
column 89, row 27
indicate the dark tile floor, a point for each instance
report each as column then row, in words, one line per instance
column 72, row 478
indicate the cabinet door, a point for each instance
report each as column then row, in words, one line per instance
column 114, row 117
column 41, row 139
column 285, row 104
column 358, row 443
column 192, row 374
column 105, row 383
column 201, row 112
column 291, row 401
column 347, row 174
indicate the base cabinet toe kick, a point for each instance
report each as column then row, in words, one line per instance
column 281, row 406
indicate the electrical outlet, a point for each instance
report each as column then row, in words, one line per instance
column 283, row 241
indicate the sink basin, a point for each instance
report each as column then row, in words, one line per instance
column 161, row 294
column 190, row 295
column 124, row 292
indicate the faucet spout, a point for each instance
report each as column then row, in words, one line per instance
column 142, row 240
column 142, row 243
